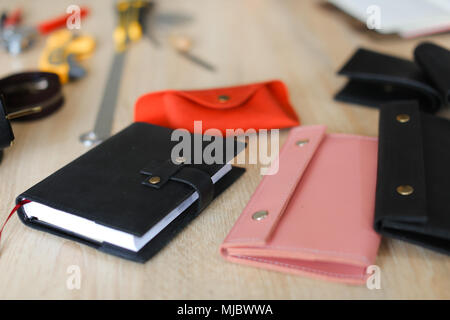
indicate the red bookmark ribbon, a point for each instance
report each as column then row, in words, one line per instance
column 21, row 203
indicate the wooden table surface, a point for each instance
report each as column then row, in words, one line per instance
column 301, row 42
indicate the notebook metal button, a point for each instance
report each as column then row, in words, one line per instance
column 154, row 180
column 405, row 190
column 301, row 143
column 260, row 215
column 403, row 118
column 223, row 98
column 180, row 160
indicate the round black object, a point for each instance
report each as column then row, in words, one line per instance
column 6, row 134
column 26, row 90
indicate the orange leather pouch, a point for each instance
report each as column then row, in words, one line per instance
column 256, row 106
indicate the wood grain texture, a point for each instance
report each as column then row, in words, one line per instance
column 301, row 42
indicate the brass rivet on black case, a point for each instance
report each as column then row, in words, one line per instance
column 403, row 118
column 180, row 160
column 260, row 215
column 154, row 180
column 405, row 190
column 301, row 143
column 223, row 98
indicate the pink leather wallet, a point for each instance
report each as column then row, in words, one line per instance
column 315, row 215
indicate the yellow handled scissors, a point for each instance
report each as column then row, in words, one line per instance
column 129, row 27
column 63, row 51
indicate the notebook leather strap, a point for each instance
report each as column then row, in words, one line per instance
column 200, row 181
column 163, row 171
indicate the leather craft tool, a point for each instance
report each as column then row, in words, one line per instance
column 146, row 19
column 16, row 38
column 183, row 45
column 127, row 30
column 13, row 19
column 62, row 53
column 3, row 17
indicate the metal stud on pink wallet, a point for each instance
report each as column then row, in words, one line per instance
column 314, row 216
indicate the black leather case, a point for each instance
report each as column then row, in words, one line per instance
column 375, row 78
column 413, row 183
column 435, row 64
column 110, row 185
column 6, row 133
column 25, row 90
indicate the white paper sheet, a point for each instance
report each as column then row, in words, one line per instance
column 405, row 17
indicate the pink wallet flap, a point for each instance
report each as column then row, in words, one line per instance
column 315, row 215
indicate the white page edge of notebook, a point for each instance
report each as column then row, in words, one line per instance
column 97, row 232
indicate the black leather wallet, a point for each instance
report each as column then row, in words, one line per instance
column 413, row 182
column 129, row 183
column 376, row 78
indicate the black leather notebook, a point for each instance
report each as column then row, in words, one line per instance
column 130, row 195
column 376, row 78
column 413, row 184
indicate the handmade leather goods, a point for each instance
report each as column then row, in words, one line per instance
column 127, row 196
column 32, row 94
column 256, row 106
column 413, row 184
column 314, row 216
column 6, row 133
column 376, row 78
column 26, row 96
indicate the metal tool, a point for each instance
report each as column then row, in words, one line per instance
column 62, row 52
column 183, row 45
column 128, row 30
column 105, row 115
column 13, row 19
column 16, row 38
column 3, row 18
column 146, row 20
